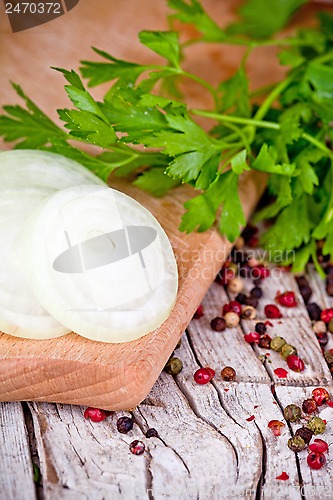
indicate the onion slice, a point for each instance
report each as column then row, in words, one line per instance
column 21, row 314
column 33, row 168
column 100, row 263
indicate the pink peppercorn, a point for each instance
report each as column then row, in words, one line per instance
column 272, row 311
column 286, row 299
column 252, row 337
column 199, row 312
column 295, row 363
column 327, row 315
column 232, row 306
column 203, row 375
column 95, row 414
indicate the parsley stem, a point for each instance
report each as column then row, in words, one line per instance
column 320, row 145
column 203, row 83
column 236, row 119
column 264, row 108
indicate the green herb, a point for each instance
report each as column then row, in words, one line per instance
column 143, row 127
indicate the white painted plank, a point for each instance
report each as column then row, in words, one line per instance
column 16, row 472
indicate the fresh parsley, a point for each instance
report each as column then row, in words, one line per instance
column 143, row 126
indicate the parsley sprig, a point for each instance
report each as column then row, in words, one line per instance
column 144, row 127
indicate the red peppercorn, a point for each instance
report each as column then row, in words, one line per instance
column 203, row 376
column 309, row 406
column 232, row 306
column 320, row 396
column 95, row 414
column 137, row 447
column 275, row 426
column 260, row 271
column 281, row 373
column 319, row 445
column 199, row 312
column 224, row 276
column 211, row 371
column 327, row 315
column 272, row 311
column 252, row 337
column 295, row 363
column 286, row 299
column 316, row 460
column 265, row 342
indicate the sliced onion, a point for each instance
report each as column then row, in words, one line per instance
column 21, row 314
column 33, row 168
column 100, row 263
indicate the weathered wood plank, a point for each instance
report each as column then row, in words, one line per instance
column 16, row 472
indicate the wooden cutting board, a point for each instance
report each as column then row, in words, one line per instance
column 72, row 369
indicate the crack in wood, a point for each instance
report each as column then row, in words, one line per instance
column 32, row 446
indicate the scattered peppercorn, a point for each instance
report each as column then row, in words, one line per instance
column 235, row 285
column 137, row 447
column 249, row 312
column 320, row 395
column 317, row 425
column 257, row 281
column 322, row 339
column 286, row 299
column 251, row 301
column 309, row 405
column 305, row 433
column 231, row 319
column 292, row 413
column 329, row 356
column 272, row 311
column 218, row 324
column 95, row 414
column 228, row 374
column 327, row 315
column 199, row 312
column 174, row 366
column 151, row 433
column 296, row 444
column 241, row 297
column 232, row 306
column 306, row 292
column 319, row 445
column 275, row 426
column 260, row 328
column 288, row 350
column 316, row 460
column 125, row 424
column 202, row 376
column 301, row 281
column 277, row 343
column 260, row 271
column 252, row 337
column 256, row 292
column 295, row 363
column 319, row 327
column 330, row 326
column 314, row 311
column 265, row 342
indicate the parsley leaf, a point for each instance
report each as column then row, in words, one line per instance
column 164, row 43
column 266, row 162
column 156, row 182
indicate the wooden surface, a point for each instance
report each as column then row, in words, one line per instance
column 72, row 369
column 206, row 447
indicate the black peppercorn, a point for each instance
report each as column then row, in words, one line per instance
column 218, row 324
column 260, row 328
column 151, row 433
column 265, row 342
column 329, row 269
column 306, row 292
column 314, row 311
column 256, row 292
column 251, row 301
column 309, row 405
column 174, row 366
column 257, row 281
column 302, row 281
column 305, row 433
column 241, row 297
column 245, row 271
column 329, row 289
column 125, row 424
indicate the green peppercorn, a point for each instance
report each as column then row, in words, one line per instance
column 288, row 350
column 296, row 444
column 330, row 326
column 329, row 357
column 174, row 366
column 292, row 413
column 305, row 433
column 316, row 425
column 277, row 343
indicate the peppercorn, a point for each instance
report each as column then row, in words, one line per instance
column 292, row 413
column 309, row 405
column 245, row 271
column 314, row 311
column 231, row 319
column 327, row 315
column 199, row 312
column 151, row 433
column 288, row 350
column 296, row 444
column 319, row 327
column 218, row 324
column 322, row 339
column 241, row 297
column 329, row 269
column 330, row 325
column 125, row 424
column 137, row 447
column 235, row 285
column 316, row 460
column 329, row 289
column 305, row 433
column 256, row 292
column 174, row 366
column 251, row 301
column 320, row 395
column 179, row 343
column 228, row 374
column 265, row 342
column 260, row 328
column 232, row 306
column 257, row 281
column 249, row 312
column 277, row 343
column 317, row 425
column 301, row 281
column 295, row 363
column 306, row 293
column 329, row 356
column 272, row 311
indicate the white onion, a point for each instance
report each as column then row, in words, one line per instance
column 20, row 312
column 100, row 293
column 26, row 178
column 32, row 168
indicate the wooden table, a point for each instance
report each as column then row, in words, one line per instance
column 206, row 447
